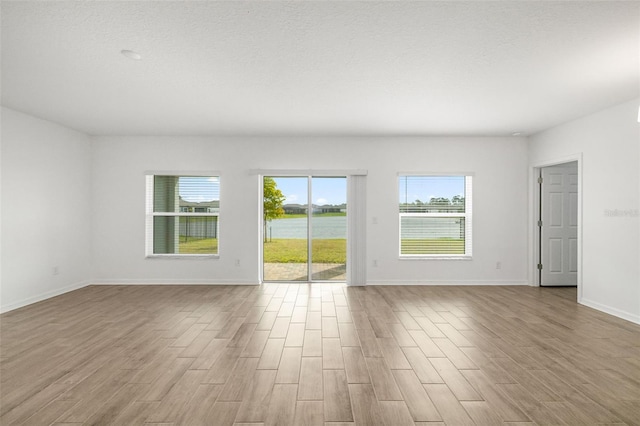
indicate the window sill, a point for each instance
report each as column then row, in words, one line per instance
column 183, row 256
column 435, row 257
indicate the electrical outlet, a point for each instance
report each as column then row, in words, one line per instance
column 55, row 270
column 237, row 262
column 375, row 263
column 498, row 265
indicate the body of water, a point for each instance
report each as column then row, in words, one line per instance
column 322, row 228
column 336, row 227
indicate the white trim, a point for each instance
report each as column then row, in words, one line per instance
column 306, row 172
column 205, row 173
column 449, row 283
column 560, row 160
column 187, row 214
column 628, row 316
column 309, row 229
column 185, row 256
column 169, row 281
column 434, row 257
column 534, row 201
column 261, row 229
column 435, row 174
column 43, row 296
column 433, row 214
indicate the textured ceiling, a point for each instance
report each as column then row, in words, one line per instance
column 320, row 68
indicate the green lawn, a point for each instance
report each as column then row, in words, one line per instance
column 324, row 251
column 295, row 251
column 198, row 246
column 432, row 246
column 279, row 250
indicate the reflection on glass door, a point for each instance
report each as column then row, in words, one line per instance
column 329, row 229
column 305, row 228
column 285, row 245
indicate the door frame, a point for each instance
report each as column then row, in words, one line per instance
column 534, row 206
column 356, row 219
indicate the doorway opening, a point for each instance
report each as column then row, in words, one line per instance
column 304, row 232
column 557, row 223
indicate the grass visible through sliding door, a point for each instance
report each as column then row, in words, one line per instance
column 294, row 251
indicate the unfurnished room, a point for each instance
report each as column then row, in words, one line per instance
column 248, row 213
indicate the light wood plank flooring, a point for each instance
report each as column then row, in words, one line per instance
column 317, row 354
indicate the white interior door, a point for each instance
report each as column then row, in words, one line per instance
column 559, row 225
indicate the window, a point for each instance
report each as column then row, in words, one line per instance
column 182, row 215
column 435, row 216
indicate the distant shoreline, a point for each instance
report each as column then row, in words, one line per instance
column 302, row 215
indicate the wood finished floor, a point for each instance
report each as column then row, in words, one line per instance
column 321, row 354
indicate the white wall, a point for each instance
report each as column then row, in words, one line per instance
column 50, row 218
column 609, row 142
column 500, row 203
column 46, row 209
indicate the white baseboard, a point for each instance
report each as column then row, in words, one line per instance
column 447, row 283
column 138, row 281
column 43, row 296
column 611, row 311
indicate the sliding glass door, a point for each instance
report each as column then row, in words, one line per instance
column 304, row 228
column 329, row 229
column 285, row 233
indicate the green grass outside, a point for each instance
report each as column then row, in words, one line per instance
column 324, row 251
column 295, row 251
column 198, row 246
column 432, row 246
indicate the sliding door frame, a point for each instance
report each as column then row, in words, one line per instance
column 356, row 219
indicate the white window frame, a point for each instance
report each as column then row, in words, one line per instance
column 467, row 215
column 150, row 214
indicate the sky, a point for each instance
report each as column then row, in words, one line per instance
column 423, row 188
column 325, row 190
column 199, row 188
column 334, row 190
